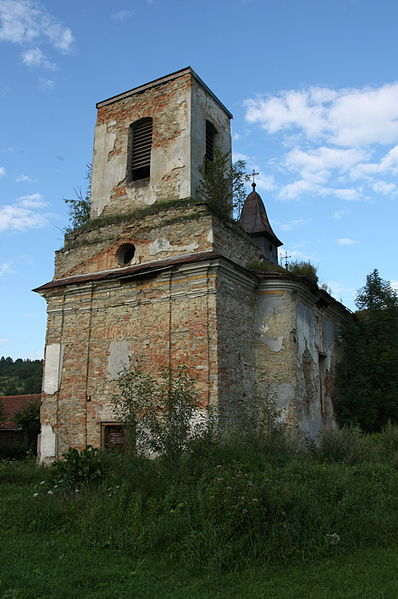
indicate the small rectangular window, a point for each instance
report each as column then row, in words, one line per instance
column 112, row 436
column 140, row 143
column 211, row 133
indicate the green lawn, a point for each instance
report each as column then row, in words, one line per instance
column 60, row 567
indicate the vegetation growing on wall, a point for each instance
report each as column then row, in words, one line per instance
column 303, row 268
column 80, row 206
column 222, row 185
column 367, row 381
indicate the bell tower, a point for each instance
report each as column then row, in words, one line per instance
column 151, row 141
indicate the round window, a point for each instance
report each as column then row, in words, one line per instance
column 125, row 254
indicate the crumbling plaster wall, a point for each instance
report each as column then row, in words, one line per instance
column 162, row 320
column 160, row 236
column 169, row 105
column 297, row 352
column 236, row 349
column 203, row 107
column 179, row 109
column 164, row 235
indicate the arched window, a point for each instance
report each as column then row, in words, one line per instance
column 211, row 133
column 140, row 144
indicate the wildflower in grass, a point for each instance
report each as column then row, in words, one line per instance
column 35, row 494
column 333, row 538
column 255, row 500
column 77, row 490
column 50, row 492
column 42, row 482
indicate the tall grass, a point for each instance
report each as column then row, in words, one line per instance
column 222, row 505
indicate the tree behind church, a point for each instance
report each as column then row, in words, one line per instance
column 367, row 385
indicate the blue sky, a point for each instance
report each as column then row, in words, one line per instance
column 313, row 87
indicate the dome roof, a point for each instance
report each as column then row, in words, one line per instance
column 254, row 219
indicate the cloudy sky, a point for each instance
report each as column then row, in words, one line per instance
column 313, row 87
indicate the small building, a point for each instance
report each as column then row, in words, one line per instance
column 12, row 437
column 156, row 275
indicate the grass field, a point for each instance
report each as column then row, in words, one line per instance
column 234, row 523
column 48, row 566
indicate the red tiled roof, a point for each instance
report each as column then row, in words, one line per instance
column 13, row 404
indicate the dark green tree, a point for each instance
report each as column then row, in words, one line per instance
column 367, row 382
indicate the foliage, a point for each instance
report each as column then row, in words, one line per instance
column 222, row 185
column 159, row 412
column 28, row 418
column 264, row 266
column 20, row 377
column 79, row 207
column 344, row 445
column 220, row 510
column 77, row 468
column 367, row 382
column 303, row 268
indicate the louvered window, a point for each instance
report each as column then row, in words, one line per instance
column 140, row 149
column 211, row 133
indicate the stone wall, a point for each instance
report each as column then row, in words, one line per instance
column 162, row 320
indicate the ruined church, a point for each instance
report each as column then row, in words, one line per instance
column 156, row 275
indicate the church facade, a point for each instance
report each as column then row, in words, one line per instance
column 155, row 275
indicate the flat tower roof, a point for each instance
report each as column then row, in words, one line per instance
column 160, row 81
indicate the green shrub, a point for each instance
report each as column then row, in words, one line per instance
column 303, row 268
column 77, row 468
column 345, row 445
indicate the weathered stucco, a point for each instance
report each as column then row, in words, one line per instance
column 179, row 107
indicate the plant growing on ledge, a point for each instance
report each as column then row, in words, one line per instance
column 222, row 185
column 79, row 207
column 303, row 268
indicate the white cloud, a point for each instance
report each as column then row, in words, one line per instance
column 122, row 15
column 3, row 340
column 24, row 214
column 35, row 58
column 4, row 268
column 332, row 138
column 2, row 171
column 394, row 285
column 27, row 22
column 384, row 188
column 346, row 117
column 35, row 200
column 265, row 182
column 293, row 224
column 317, row 164
column 346, row 241
column 24, row 179
column 46, row 84
column 339, row 214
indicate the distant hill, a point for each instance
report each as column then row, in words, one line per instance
column 20, row 377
